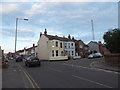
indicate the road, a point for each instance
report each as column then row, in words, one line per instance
column 68, row 74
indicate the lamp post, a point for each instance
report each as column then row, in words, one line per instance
column 16, row 32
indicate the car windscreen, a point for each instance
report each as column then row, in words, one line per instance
column 34, row 58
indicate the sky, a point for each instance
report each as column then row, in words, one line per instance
column 59, row 18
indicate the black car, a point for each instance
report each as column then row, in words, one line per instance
column 32, row 60
column 19, row 58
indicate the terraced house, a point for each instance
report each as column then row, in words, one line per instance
column 55, row 48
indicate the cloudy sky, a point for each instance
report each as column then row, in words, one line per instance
column 59, row 18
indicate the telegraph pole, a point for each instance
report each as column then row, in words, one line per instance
column 93, row 30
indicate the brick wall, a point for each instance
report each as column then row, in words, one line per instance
column 113, row 59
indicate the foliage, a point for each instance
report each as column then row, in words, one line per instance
column 112, row 40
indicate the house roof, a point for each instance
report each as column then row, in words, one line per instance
column 77, row 41
column 51, row 37
column 26, row 49
column 30, row 48
column 95, row 43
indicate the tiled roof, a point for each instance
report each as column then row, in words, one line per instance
column 30, row 48
column 50, row 37
column 26, row 49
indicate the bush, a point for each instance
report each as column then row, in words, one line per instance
column 112, row 40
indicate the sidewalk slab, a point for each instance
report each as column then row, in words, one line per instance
column 13, row 77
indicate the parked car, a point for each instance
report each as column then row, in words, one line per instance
column 11, row 58
column 19, row 58
column 95, row 55
column 4, row 63
column 32, row 60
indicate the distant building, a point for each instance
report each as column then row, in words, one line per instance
column 30, row 51
column 81, row 48
column 98, row 46
column 27, row 51
column 93, row 46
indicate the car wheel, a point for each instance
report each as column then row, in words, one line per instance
column 39, row 64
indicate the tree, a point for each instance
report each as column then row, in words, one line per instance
column 112, row 40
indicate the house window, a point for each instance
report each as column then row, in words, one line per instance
column 53, row 53
column 52, row 43
column 65, row 45
column 69, row 45
column 56, row 43
column 81, row 46
column 69, row 53
column 60, row 45
column 56, row 52
column 72, row 44
column 72, row 53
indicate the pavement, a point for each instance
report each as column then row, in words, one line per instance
column 101, row 64
column 13, row 77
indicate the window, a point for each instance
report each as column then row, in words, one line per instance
column 65, row 45
column 72, row 53
column 69, row 45
column 53, row 53
column 52, row 43
column 56, row 43
column 60, row 45
column 56, row 52
column 69, row 53
column 81, row 46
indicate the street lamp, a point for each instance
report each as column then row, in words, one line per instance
column 16, row 32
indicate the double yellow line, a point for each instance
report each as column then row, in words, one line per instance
column 30, row 79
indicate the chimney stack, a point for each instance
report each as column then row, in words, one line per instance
column 69, row 37
column 33, row 45
column 45, row 32
column 73, row 38
column 40, row 34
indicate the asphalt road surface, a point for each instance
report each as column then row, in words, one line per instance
column 67, row 74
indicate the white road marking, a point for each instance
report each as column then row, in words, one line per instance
column 97, row 69
column 54, row 69
column 92, row 81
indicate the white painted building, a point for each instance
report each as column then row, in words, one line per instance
column 69, row 48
